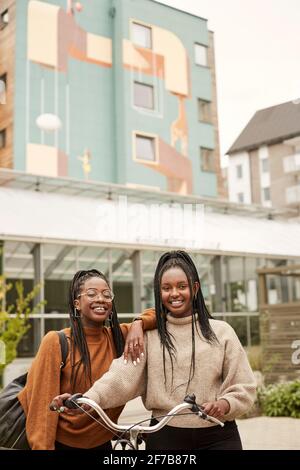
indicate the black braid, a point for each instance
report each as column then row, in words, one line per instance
column 78, row 339
column 182, row 260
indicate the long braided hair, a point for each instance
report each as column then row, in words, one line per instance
column 181, row 259
column 78, row 339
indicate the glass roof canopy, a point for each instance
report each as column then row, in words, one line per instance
column 60, row 262
column 230, row 229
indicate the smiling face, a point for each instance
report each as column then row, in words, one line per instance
column 92, row 302
column 175, row 292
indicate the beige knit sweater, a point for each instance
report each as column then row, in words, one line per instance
column 222, row 370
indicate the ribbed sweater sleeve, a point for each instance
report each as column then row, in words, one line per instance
column 239, row 385
column 43, row 383
column 121, row 383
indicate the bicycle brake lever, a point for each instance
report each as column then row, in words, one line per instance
column 71, row 402
column 191, row 399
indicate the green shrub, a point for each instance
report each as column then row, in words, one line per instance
column 14, row 319
column 254, row 354
column 281, row 399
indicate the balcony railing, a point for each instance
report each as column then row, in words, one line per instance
column 291, row 163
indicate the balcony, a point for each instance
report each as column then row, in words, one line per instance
column 292, row 195
column 291, row 164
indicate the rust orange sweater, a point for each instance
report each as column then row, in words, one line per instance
column 44, row 427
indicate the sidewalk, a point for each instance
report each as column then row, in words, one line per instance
column 265, row 433
column 260, row 433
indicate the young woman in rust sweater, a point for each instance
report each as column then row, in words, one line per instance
column 92, row 348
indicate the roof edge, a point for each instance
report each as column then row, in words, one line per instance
column 178, row 9
column 256, row 145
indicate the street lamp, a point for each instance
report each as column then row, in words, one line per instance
column 48, row 122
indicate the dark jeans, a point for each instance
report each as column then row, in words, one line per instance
column 212, row 438
column 106, row 446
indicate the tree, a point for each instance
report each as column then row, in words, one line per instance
column 14, row 319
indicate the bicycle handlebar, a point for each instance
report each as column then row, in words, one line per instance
column 189, row 403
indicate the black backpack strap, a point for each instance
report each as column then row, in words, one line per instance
column 64, row 346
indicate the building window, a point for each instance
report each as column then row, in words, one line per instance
column 142, row 35
column 143, row 95
column 207, row 159
column 4, row 19
column 3, row 79
column 145, row 148
column 2, row 138
column 201, row 55
column 204, row 111
column 265, row 165
column 239, row 171
column 266, row 194
column 240, row 197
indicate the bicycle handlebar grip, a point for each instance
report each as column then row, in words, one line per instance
column 215, row 420
column 71, row 402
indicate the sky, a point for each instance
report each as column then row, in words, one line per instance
column 257, row 52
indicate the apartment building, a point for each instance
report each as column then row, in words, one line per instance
column 264, row 161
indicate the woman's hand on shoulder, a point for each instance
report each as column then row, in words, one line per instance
column 216, row 409
column 134, row 345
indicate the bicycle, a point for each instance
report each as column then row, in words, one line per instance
column 131, row 433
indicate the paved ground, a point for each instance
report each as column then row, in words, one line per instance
column 261, row 433
column 270, row 433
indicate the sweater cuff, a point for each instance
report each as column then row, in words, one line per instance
column 148, row 318
column 92, row 395
column 139, row 318
column 232, row 410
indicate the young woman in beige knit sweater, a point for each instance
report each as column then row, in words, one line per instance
column 189, row 352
